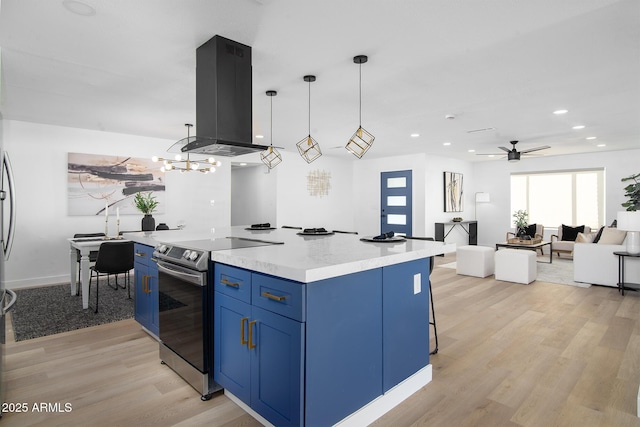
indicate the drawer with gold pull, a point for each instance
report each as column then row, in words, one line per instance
column 233, row 281
column 278, row 295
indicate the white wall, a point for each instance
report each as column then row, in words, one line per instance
column 494, row 218
column 253, row 195
column 38, row 155
column 297, row 207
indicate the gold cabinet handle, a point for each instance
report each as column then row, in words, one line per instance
column 228, row 283
column 148, row 285
column 242, row 331
column 274, row 297
column 141, row 254
column 145, row 284
column 251, row 344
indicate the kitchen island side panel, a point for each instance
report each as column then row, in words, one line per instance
column 405, row 313
column 344, row 346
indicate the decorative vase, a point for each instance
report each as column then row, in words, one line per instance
column 148, row 223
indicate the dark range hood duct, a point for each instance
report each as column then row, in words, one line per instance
column 223, row 100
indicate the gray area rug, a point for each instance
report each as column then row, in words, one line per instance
column 559, row 272
column 52, row 309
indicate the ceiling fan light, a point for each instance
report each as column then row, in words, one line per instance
column 360, row 142
column 513, row 156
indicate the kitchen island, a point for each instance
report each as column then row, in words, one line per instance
column 322, row 330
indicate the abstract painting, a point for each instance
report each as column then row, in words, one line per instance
column 96, row 182
column 453, row 194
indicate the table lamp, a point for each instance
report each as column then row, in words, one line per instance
column 630, row 222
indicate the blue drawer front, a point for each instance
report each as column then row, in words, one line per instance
column 280, row 296
column 233, row 281
column 142, row 253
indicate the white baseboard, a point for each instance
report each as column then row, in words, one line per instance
column 37, row 281
column 372, row 410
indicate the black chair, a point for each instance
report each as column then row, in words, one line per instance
column 93, row 255
column 113, row 258
column 433, row 313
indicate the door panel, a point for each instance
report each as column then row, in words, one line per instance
column 396, row 202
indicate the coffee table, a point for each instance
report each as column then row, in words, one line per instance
column 532, row 247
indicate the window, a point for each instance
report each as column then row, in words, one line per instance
column 567, row 197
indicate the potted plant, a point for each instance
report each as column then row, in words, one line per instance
column 521, row 221
column 146, row 203
column 633, row 193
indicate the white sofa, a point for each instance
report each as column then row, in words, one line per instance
column 596, row 264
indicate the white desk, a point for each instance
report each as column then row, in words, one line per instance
column 85, row 245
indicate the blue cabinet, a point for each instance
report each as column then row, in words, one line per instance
column 146, row 291
column 313, row 353
column 258, row 353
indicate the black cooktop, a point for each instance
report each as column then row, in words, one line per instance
column 221, row 244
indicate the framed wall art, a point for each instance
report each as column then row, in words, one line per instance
column 453, row 193
column 97, row 181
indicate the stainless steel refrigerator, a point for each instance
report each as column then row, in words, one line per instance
column 7, row 230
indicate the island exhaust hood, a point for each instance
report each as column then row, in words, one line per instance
column 223, row 101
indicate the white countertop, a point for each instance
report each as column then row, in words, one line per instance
column 302, row 258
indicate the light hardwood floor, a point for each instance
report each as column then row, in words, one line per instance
column 510, row 355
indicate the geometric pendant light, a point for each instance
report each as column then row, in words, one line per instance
column 309, row 148
column 271, row 157
column 361, row 140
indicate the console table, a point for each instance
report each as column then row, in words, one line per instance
column 471, row 229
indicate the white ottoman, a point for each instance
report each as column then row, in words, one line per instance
column 474, row 261
column 514, row 265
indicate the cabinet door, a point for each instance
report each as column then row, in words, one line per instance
column 405, row 314
column 141, row 279
column 277, row 380
column 231, row 357
column 153, row 299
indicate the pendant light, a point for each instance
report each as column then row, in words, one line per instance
column 271, row 157
column 188, row 165
column 361, row 140
column 309, row 148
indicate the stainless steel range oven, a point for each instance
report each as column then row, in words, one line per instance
column 186, row 307
column 185, row 315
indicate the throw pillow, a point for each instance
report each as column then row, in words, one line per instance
column 612, row 236
column 569, row 234
column 585, row 237
column 598, row 236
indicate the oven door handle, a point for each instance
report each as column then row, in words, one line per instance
column 195, row 279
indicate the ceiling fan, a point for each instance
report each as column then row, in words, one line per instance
column 513, row 155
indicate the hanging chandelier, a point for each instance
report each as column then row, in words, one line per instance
column 271, row 157
column 309, row 148
column 187, row 165
column 361, row 140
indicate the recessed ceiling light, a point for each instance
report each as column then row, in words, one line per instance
column 415, row 135
column 561, row 112
column 471, row 151
column 491, row 155
column 601, row 145
column 259, row 136
column 592, row 137
column 446, row 143
column 79, row 8
column 243, row 164
column 578, row 127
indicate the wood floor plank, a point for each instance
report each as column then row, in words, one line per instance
column 510, row 355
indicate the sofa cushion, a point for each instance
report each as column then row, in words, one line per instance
column 569, row 234
column 530, row 230
column 598, row 236
column 612, row 236
column 585, row 237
